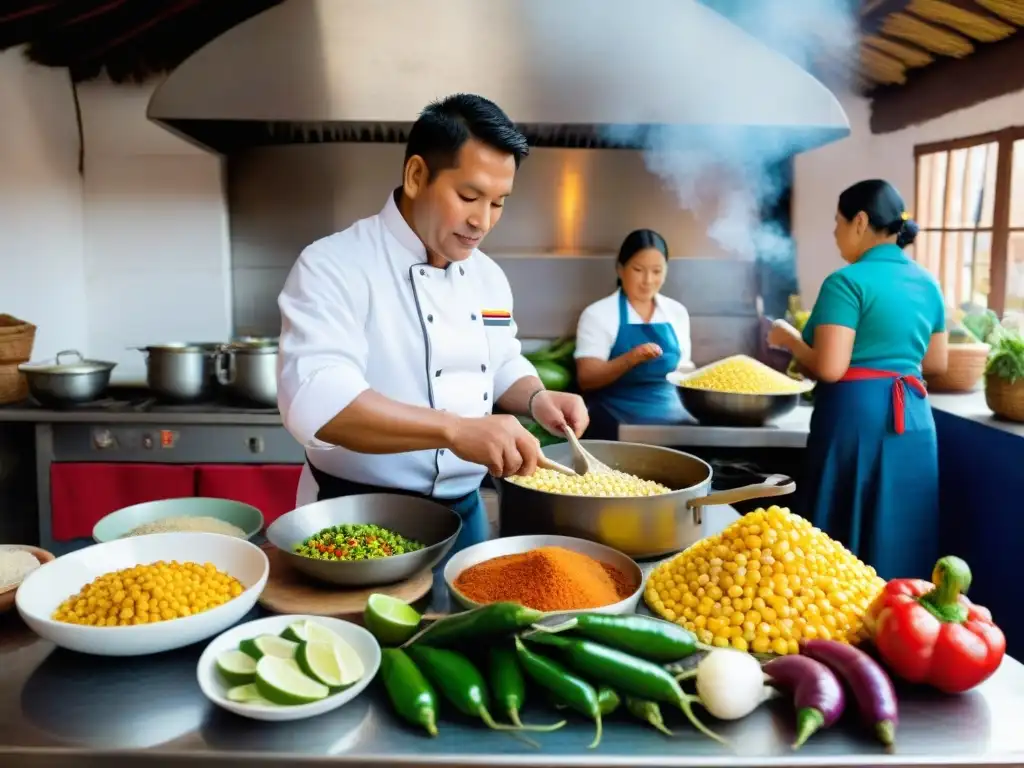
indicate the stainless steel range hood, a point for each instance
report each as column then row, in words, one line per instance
column 570, row 72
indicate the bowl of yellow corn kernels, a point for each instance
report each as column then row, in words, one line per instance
column 738, row 391
column 145, row 594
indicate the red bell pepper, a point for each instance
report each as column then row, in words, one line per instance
column 931, row 633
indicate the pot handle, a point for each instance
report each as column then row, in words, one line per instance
column 68, row 352
column 223, row 362
column 773, row 485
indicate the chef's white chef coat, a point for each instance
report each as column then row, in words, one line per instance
column 362, row 309
column 598, row 326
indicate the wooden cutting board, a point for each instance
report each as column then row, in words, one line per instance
column 289, row 591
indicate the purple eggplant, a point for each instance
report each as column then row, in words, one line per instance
column 869, row 684
column 817, row 694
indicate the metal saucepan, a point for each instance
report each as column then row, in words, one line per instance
column 182, row 371
column 59, row 384
column 248, row 369
column 734, row 409
column 643, row 527
column 433, row 525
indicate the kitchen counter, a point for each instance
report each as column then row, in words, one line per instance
column 791, row 430
column 60, row 709
column 202, row 414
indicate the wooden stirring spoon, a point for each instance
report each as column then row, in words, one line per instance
column 583, row 461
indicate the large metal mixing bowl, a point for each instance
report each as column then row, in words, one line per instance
column 641, row 527
column 731, row 409
column 433, row 525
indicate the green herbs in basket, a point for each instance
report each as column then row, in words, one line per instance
column 1006, row 360
column 355, row 542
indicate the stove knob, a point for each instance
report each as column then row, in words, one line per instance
column 255, row 444
column 147, row 442
column 103, row 439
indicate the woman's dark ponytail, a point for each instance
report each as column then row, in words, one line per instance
column 908, row 233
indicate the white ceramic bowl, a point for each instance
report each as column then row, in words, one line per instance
column 215, row 689
column 512, row 545
column 47, row 587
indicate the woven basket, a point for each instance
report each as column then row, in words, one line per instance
column 13, row 384
column 16, row 340
column 965, row 369
column 1005, row 399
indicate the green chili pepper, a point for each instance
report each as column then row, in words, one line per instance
column 577, row 694
column 461, row 683
column 508, row 685
column 644, row 636
column 648, row 711
column 626, row 673
column 480, row 623
column 607, row 701
column 411, row 695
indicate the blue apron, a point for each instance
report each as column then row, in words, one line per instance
column 642, row 395
column 475, row 527
column 869, row 486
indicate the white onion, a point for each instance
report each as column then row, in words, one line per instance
column 730, row 684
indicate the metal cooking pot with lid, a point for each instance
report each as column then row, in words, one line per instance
column 59, row 384
column 182, row 371
column 641, row 527
column 249, row 370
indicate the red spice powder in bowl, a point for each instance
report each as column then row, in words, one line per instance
column 546, row 579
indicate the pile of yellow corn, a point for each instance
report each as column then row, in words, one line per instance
column 763, row 584
column 743, row 375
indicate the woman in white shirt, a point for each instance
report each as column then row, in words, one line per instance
column 626, row 343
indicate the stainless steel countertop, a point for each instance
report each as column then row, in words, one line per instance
column 167, row 418
column 59, row 709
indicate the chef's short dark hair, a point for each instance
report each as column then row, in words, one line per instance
column 445, row 125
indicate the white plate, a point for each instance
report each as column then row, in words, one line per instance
column 47, row 587
column 215, row 689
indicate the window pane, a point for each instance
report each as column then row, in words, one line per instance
column 988, row 184
column 1015, row 273
column 949, row 267
column 1017, row 186
column 931, row 189
column 981, row 263
column 957, row 176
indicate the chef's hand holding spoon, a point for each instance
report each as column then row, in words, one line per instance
column 556, row 410
column 500, row 443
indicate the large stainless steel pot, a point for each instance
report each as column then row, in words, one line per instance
column 59, row 384
column 248, row 369
column 734, row 409
column 644, row 527
column 182, row 371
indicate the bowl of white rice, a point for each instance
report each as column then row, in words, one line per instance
column 193, row 514
column 16, row 563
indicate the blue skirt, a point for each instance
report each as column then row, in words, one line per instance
column 875, row 491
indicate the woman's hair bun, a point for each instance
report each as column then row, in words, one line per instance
column 908, row 233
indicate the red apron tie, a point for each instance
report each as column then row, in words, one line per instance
column 899, row 395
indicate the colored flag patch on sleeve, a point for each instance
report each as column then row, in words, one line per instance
column 496, row 317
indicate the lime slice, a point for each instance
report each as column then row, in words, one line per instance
column 236, row 668
column 349, row 663
column 295, row 632
column 390, row 620
column 268, row 645
column 248, row 694
column 320, row 662
column 281, row 681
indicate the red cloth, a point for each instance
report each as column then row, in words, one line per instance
column 82, row 494
column 899, row 393
column 271, row 488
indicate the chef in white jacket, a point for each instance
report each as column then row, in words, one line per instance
column 398, row 336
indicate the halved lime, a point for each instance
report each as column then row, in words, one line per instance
column 296, row 632
column 268, row 645
column 390, row 620
column 248, row 694
column 281, row 681
column 236, row 668
column 350, row 665
column 320, row 662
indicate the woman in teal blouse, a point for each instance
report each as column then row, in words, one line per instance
column 879, row 323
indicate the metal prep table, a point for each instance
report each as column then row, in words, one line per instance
column 59, row 709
